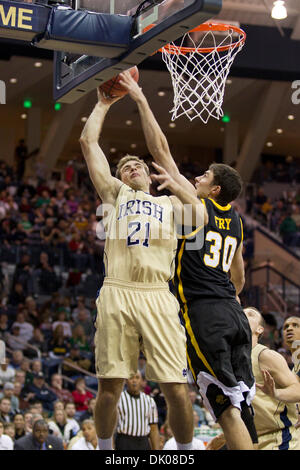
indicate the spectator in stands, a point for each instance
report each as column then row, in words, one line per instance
column 6, row 442
column 6, row 415
column 72, row 203
column 4, row 325
column 19, row 423
column 14, row 340
column 69, row 172
column 59, row 344
column 39, row 391
column 26, row 329
column 20, row 376
column 47, row 279
column 17, row 358
column 89, row 440
column 81, row 396
column 17, row 392
column 23, row 274
column 84, row 319
column 79, row 338
column 39, row 439
column 32, row 315
column 62, row 394
column 79, row 307
column 197, row 407
column 289, row 231
column 89, row 413
column 9, row 430
column 17, row 295
column 9, row 392
column 61, row 320
column 7, row 372
column 61, row 427
column 75, row 358
column 70, row 410
column 39, row 341
column 28, row 421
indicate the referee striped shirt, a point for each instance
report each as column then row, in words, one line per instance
column 136, row 413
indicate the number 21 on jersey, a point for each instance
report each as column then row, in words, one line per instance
column 219, row 248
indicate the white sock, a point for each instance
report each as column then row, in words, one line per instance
column 105, row 444
column 188, row 446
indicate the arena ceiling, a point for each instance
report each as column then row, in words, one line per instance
column 122, row 130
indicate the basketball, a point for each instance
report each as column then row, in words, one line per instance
column 113, row 87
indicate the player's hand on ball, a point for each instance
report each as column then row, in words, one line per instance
column 106, row 99
column 130, row 84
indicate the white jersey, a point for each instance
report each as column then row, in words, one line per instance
column 140, row 238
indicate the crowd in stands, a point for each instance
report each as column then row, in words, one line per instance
column 51, row 258
column 280, row 213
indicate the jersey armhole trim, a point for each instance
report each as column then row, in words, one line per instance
column 191, row 234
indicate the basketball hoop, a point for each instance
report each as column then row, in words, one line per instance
column 199, row 72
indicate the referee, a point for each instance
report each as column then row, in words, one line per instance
column 137, row 427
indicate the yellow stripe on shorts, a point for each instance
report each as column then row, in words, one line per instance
column 186, row 316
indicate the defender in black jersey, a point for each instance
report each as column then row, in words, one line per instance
column 217, row 330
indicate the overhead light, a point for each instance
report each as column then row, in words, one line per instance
column 13, row 80
column 38, row 64
column 172, row 124
column 83, row 119
column 128, row 122
column 228, row 81
column 161, row 93
column 112, row 150
column 291, row 117
column 24, row 116
column 222, row 129
column 279, row 10
column 133, row 146
column 279, row 131
column 269, row 144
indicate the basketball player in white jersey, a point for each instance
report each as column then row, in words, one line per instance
column 291, row 337
column 277, row 392
column 135, row 305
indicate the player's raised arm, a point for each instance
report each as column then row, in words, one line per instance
column 188, row 209
column 105, row 184
column 156, row 140
column 276, row 373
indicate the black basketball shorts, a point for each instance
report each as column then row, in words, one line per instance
column 219, row 343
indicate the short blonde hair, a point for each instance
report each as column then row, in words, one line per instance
column 129, row 158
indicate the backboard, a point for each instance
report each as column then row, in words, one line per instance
column 76, row 75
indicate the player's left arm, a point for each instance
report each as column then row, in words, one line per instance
column 237, row 270
column 155, row 139
column 154, row 437
column 188, row 209
column 276, row 373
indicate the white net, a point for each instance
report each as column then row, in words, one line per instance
column 199, row 77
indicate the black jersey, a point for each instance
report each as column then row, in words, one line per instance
column 204, row 257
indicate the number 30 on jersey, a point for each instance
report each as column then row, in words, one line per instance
column 218, row 249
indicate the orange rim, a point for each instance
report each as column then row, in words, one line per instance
column 172, row 49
